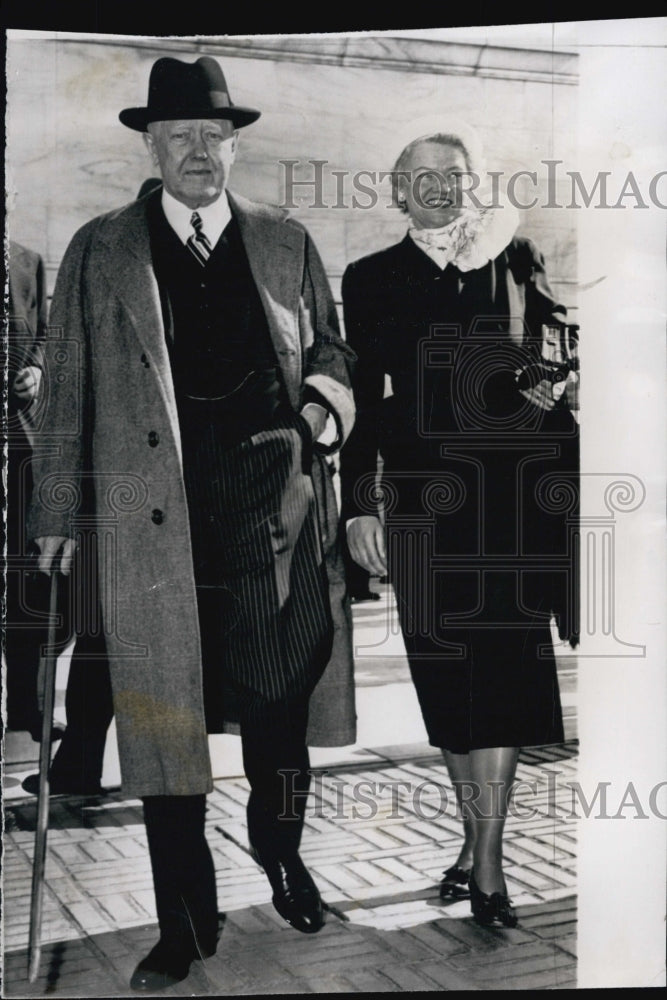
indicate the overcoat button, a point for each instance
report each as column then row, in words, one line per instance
column 153, row 439
column 145, row 362
column 157, row 517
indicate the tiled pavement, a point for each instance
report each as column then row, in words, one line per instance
column 376, row 840
column 380, row 829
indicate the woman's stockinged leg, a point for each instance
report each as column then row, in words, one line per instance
column 460, row 773
column 492, row 772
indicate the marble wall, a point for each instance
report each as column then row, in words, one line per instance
column 347, row 101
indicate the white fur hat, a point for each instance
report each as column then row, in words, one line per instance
column 441, row 125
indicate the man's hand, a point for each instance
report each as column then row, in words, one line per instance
column 49, row 546
column 26, row 384
column 365, row 540
column 316, row 416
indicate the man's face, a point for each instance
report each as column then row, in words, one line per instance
column 194, row 157
column 433, row 191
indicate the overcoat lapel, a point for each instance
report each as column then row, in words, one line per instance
column 130, row 270
column 275, row 252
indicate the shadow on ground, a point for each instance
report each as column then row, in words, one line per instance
column 259, row 954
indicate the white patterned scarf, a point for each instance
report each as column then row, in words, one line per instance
column 475, row 237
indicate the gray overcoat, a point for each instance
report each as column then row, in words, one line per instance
column 109, row 398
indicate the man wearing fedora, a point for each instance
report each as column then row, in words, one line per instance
column 200, row 363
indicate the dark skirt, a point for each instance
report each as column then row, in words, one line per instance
column 473, row 560
column 495, row 687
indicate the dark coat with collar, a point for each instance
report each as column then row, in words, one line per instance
column 451, row 342
column 479, row 485
column 110, row 385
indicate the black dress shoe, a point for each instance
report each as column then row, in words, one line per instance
column 62, row 786
column 491, row 909
column 169, row 961
column 295, row 896
column 454, row 884
column 165, row 965
column 33, row 726
column 365, row 595
column 57, row 732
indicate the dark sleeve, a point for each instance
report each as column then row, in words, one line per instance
column 27, row 308
column 36, row 353
column 358, row 460
column 329, row 362
column 542, row 307
column 526, row 270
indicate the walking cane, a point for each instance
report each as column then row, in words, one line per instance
column 48, row 668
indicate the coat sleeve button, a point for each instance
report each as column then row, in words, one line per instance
column 153, row 439
column 157, row 517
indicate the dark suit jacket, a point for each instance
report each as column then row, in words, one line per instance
column 26, row 329
column 27, row 311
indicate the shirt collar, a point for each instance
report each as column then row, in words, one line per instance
column 214, row 217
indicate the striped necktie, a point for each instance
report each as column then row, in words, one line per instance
column 198, row 243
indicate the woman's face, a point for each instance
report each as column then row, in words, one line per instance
column 432, row 191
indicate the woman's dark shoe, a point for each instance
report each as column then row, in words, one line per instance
column 454, row 883
column 491, row 910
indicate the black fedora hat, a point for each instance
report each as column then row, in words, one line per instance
column 180, row 90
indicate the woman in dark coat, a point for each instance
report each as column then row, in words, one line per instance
column 463, row 385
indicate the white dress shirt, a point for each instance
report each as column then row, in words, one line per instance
column 214, row 217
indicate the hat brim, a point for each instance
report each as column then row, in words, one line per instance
column 140, row 118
